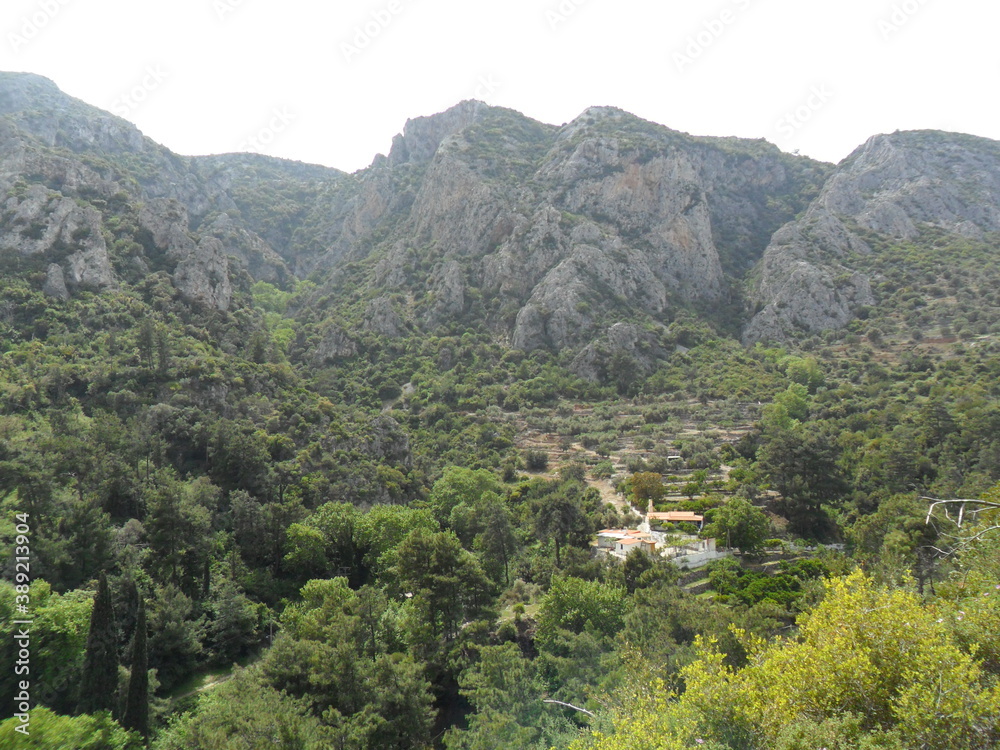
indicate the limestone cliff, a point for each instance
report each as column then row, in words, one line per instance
column 894, row 185
column 566, row 231
column 586, row 236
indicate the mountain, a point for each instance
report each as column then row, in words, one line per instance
column 558, row 233
column 357, row 432
column 589, row 238
column 895, row 187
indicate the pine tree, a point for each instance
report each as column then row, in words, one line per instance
column 100, row 664
column 136, row 716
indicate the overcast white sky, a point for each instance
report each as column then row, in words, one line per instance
column 331, row 81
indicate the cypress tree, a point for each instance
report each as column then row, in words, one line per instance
column 136, row 716
column 99, row 682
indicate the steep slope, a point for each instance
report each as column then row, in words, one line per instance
column 896, row 186
column 95, row 201
column 125, row 280
column 478, row 216
column 552, row 236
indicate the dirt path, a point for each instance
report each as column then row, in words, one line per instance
column 560, row 454
column 212, row 681
column 562, row 450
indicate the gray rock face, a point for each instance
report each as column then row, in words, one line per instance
column 458, row 212
column 55, row 282
column 381, row 317
column 894, row 185
column 336, row 344
column 43, row 221
column 641, row 348
column 201, row 273
column 249, row 251
column 659, row 205
column 60, row 146
column 203, row 276
column 59, row 120
column 607, row 211
column 447, row 284
column 421, row 136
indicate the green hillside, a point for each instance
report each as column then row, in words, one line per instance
column 290, row 420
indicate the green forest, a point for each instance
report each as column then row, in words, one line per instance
column 296, row 459
column 232, row 547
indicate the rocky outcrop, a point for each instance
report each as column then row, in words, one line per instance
column 55, row 119
column 250, row 252
column 385, row 440
column 55, row 282
column 457, row 212
column 201, row 268
column 40, row 221
column 657, row 203
column 624, row 344
column 447, row 285
column 335, row 345
column 614, row 212
column 895, row 185
column 422, row 136
column 381, row 317
column 203, row 276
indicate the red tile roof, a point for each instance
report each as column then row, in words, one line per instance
column 676, row 516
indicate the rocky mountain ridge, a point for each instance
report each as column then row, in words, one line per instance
column 894, row 185
column 592, row 236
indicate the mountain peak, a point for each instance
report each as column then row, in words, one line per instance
column 20, row 91
column 421, row 136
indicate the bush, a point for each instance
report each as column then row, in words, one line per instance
column 536, row 460
column 603, row 470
